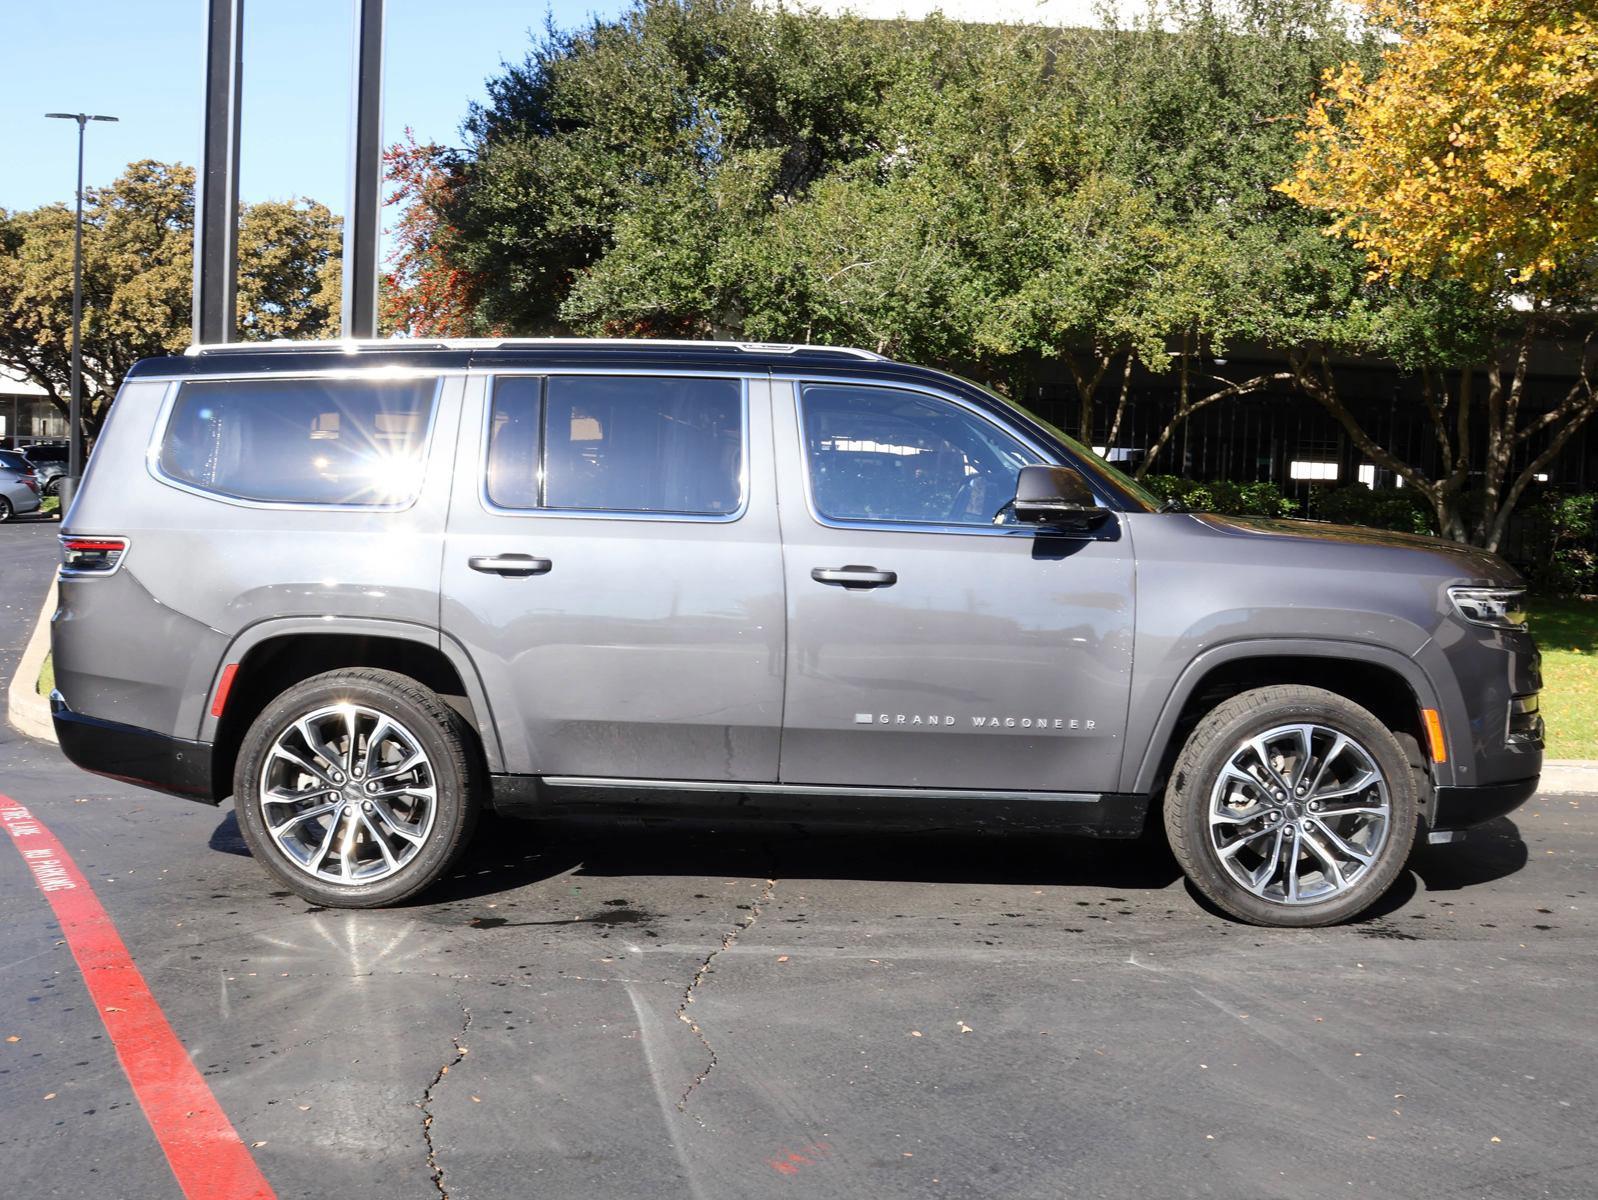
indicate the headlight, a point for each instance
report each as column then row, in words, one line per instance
column 1501, row 608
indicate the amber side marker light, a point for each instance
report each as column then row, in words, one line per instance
column 1434, row 734
column 223, row 687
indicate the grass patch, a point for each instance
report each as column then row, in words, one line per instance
column 51, row 504
column 1567, row 634
column 46, row 683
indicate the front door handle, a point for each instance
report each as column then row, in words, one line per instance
column 508, row 565
column 855, row 577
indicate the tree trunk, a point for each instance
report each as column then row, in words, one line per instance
column 1111, row 438
column 1087, row 382
column 1504, row 434
column 1168, row 431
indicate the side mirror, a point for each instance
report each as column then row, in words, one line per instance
column 1056, row 496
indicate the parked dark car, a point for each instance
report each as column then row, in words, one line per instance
column 366, row 589
column 49, row 461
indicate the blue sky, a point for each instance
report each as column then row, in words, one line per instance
column 141, row 60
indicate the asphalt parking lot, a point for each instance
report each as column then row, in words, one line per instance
column 654, row 1013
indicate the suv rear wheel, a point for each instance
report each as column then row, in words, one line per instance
column 1291, row 806
column 355, row 788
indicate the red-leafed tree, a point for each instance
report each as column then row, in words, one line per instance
column 423, row 294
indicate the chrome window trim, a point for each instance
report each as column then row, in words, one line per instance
column 798, row 382
column 583, row 514
column 152, row 453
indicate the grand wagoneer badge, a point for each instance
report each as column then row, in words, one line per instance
column 944, row 721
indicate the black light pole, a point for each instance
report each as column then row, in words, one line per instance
column 69, row 484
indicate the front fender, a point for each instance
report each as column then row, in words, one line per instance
column 1153, row 726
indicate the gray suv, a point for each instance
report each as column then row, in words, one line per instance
column 366, row 589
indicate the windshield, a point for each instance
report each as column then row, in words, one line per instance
column 1133, row 493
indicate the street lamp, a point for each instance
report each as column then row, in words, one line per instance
column 69, row 483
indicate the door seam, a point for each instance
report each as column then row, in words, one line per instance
column 782, row 566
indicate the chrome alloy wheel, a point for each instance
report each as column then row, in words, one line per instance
column 348, row 794
column 1299, row 814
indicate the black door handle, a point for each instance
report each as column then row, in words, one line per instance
column 508, row 565
column 855, row 576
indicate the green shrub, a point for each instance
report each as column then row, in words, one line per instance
column 1224, row 497
column 1375, row 508
column 1558, row 543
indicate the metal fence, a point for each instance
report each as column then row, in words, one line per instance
column 1283, row 437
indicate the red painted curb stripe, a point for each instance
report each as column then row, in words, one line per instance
column 204, row 1150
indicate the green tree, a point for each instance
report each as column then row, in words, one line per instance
column 984, row 197
column 138, row 242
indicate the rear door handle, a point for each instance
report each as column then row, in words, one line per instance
column 855, row 577
column 507, row 565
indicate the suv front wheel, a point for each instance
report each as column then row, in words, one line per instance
column 1291, row 806
column 354, row 788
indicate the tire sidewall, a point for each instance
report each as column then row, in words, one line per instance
column 1193, row 798
column 452, row 820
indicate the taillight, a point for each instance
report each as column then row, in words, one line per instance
column 92, row 554
column 32, row 483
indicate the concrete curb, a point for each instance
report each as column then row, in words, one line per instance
column 1565, row 776
column 28, row 711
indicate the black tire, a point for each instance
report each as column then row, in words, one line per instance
column 440, row 733
column 53, row 487
column 5, row 510
column 1195, row 779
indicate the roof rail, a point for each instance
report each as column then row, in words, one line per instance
column 355, row 345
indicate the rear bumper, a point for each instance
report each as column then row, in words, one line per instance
column 153, row 760
column 1462, row 807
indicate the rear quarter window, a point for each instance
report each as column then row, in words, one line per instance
column 666, row 445
column 357, row 442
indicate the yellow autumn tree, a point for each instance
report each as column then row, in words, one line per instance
column 1473, row 152
column 1465, row 168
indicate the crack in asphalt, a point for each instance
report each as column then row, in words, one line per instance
column 691, row 993
column 426, row 1103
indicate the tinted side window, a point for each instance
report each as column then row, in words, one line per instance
column 643, row 444
column 513, row 468
column 12, row 461
column 302, row 441
column 47, row 454
column 880, row 454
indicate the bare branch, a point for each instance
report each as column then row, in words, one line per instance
column 1324, row 391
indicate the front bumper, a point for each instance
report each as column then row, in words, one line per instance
column 140, row 756
column 1457, row 808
